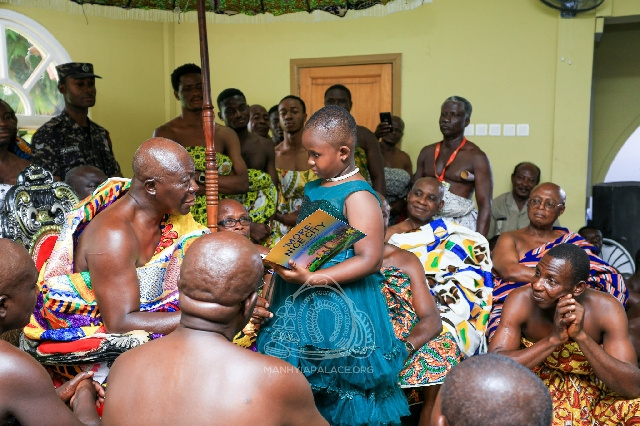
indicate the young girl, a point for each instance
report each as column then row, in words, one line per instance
column 333, row 324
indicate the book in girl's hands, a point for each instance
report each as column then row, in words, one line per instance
column 313, row 241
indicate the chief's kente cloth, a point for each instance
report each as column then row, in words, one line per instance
column 458, row 268
column 578, row 396
column 602, row 276
column 66, row 326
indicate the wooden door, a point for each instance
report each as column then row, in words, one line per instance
column 373, row 81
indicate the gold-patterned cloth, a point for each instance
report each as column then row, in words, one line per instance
column 260, row 200
column 579, row 397
column 291, row 183
column 360, row 158
column 458, row 268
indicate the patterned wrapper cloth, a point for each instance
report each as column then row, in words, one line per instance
column 578, row 396
column 458, row 268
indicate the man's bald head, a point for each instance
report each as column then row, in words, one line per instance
column 333, row 124
column 158, row 157
column 18, row 275
column 84, row 179
column 229, row 204
column 550, row 186
column 492, row 389
column 222, row 269
column 432, row 182
column 229, row 208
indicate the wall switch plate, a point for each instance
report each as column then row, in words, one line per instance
column 494, row 130
column 481, row 130
column 523, row 130
column 509, row 130
column 469, row 130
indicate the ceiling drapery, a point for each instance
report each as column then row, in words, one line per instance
column 227, row 11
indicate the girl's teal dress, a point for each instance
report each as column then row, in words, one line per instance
column 339, row 334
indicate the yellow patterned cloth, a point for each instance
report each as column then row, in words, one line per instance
column 360, row 157
column 458, row 268
column 260, row 200
column 579, row 397
column 291, row 183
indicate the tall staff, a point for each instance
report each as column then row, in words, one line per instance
column 208, row 123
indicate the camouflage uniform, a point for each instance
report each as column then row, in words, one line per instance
column 62, row 144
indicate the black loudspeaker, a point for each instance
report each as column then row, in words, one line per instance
column 616, row 212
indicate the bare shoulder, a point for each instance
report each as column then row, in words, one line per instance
column 168, row 130
column 597, row 302
column 427, row 150
column 265, row 144
column 17, row 367
column 520, row 303
column 474, row 149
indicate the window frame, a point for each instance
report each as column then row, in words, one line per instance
column 45, row 42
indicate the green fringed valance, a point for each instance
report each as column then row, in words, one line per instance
column 227, row 11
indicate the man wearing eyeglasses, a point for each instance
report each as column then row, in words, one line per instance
column 518, row 252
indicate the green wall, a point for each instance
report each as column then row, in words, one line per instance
column 505, row 56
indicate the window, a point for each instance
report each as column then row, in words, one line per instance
column 28, row 79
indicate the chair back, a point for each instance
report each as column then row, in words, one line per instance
column 35, row 205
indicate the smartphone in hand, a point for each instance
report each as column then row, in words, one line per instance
column 385, row 117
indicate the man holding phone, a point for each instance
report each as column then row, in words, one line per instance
column 398, row 169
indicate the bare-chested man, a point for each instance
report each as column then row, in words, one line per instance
column 462, row 165
column 340, row 95
column 27, row 394
column 277, row 134
column 187, row 130
column 575, row 338
column 125, row 236
column 154, row 384
column 10, row 164
column 258, row 121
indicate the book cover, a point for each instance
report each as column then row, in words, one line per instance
column 313, row 241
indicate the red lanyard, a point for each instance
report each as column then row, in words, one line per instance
column 440, row 176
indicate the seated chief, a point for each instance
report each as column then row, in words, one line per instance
column 111, row 281
column 575, row 339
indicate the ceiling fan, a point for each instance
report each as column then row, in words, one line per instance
column 570, row 8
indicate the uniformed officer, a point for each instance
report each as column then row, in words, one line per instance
column 71, row 139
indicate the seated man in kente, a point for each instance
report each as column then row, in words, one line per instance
column 575, row 339
column 416, row 321
column 455, row 260
column 111, row 281
column 518, row 252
